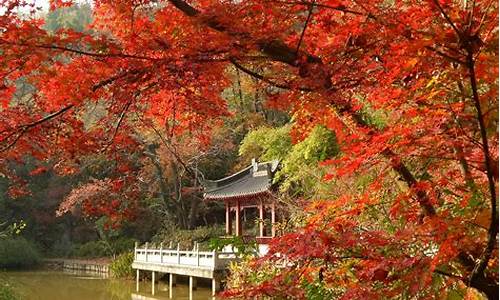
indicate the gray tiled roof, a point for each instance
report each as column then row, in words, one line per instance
column 253, row 180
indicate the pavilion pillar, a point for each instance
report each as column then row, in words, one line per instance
column 273, row 219
column 238, row 218
column 261, row 219
column 229, row 225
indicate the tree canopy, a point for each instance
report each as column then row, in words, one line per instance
column 409, row 89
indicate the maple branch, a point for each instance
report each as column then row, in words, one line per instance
column 441, row 53
column 117, row 77
column 168, row 145
column 340, row 8
column 240, row 92
column 22, row 129
column 274, row 48
column 449, row 275
column 309, row 15
column 448, row 19
column 479, row 269
column 120, row 120
column 471, row 15
column 81, row 52
column 264, row 79
column 408, row 177
column 483, row 18
column 281, row 52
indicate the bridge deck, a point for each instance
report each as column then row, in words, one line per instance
column 189, row 263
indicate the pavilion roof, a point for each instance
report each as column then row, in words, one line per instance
column 249, row 182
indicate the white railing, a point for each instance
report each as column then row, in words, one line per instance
column 204, row 259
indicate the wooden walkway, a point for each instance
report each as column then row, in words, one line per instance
column 194, row 264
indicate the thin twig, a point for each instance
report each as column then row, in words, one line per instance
column 309, row 16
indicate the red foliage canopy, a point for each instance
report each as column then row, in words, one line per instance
column 427, row 69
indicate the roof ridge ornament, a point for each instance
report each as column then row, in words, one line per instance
column 255, row 165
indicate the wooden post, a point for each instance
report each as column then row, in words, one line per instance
column 153, row 283
column 215, row 286
column 273, row 219
column 146, row 252
column 229, row 225
column 238, row 224
column 161, row 252
column 261, row 219
column 137, row 280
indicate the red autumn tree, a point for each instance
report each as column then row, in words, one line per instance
column 409, row 87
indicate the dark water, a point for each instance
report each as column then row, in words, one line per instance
column 48, row 285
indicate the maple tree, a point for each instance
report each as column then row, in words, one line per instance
column 410, row 89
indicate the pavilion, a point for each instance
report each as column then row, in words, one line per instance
column 250, row 205
column 250, row 213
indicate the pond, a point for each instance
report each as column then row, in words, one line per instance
column 50, row 285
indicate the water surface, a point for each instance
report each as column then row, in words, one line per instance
column 50, row 285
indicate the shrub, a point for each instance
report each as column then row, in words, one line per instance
column 61, row 248
column 7, row 292
column 18, row 253
column 121, row 267
column 241, row 274
column 187, row 238
column 122, row 245
column 92, row 250
column 101, row 248
column 237, row 243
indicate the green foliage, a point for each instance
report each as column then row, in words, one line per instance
column 62, row 247
column 187, row 238
column 242, row 274
column 299, row 162
column 267, row 143
column 317, row 291
column 237, row 243
column 305, row 156
column 7, row 292
column 121, row 267
column 12, row 230
column 16, row 253
column 372, row 117
column 76, row 17
column 122, row 245
column 94, row 249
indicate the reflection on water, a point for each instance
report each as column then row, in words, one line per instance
column 48, row 285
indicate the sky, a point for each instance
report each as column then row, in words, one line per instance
column 44, row 4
